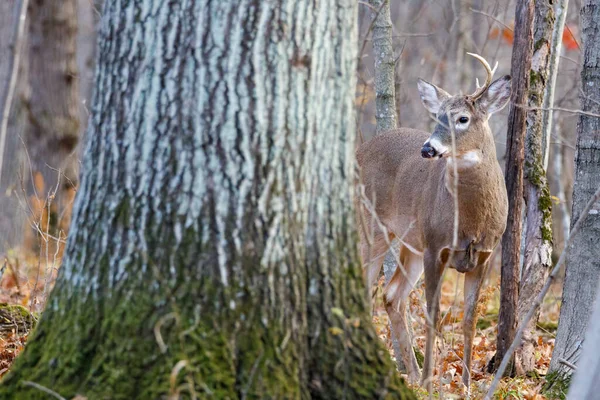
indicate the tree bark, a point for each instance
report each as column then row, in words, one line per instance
column 213, row 251
column 515, row 137
column 586, row 382
column 583, row 266
column 537, row 260
column 385, row 65
column 53, row 109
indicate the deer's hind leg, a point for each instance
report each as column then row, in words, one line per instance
column 373, row 252
column 395, row 298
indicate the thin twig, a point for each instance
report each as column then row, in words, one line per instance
column 364, row 3
column 491, row 17
column 43, row 389
column 568, row 364
column 540, row 297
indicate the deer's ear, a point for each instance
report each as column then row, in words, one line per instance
column 431, row 95
column 496, row 97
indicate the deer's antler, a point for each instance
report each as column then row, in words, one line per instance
column 488, row 80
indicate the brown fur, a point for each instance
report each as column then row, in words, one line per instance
column 413, row 200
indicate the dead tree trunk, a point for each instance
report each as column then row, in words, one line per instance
column 213, row 247
column 582, row 265
column 515, row 138
column 537, row 259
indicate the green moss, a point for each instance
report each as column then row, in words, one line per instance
column 419, row 356
column 534, row 79
column 556, row 386
column 539, row 44
column 537, row 176
column 15, row 318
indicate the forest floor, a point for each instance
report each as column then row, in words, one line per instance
column 25, row 283
column 448, row 371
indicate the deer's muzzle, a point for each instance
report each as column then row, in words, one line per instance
column 427, row 151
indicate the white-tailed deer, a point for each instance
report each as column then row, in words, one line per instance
column 408, row 178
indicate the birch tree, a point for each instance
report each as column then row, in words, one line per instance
column 582, row 266
column 213, row 250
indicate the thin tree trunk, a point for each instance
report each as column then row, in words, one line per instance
column 537, row 259
column 383, row 50
column 582, row 265
column 385, row 113
column 53, row 107
column 12, row 34
column 561, row 216
column 87, row 28
column 515, row 138
column 213, row 250
column 560, row 12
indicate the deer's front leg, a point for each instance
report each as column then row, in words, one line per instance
column 433, row 273
column 473, row 283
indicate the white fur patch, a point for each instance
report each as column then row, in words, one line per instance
column 439, row 148
column 466, row 160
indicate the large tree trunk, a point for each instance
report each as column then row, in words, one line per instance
column 583, row 266
column 213, row 250
column 515, row 137
column 537, row 259
column 53, row 105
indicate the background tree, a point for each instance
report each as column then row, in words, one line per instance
column 53, row 107
column 515, row 138
column 582, row 267
column 12, row 33
column 537, row 259
column 385, row 114
column 213, row 248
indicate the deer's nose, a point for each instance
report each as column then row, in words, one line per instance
column 427, row 151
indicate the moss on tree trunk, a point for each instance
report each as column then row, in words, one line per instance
column 213, row 251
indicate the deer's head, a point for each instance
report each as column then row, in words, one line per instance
column 464, row 115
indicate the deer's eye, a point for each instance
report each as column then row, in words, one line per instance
column 463, row 120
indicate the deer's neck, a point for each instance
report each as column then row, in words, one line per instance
column 476, row 168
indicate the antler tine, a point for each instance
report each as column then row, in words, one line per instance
column 488, row 79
